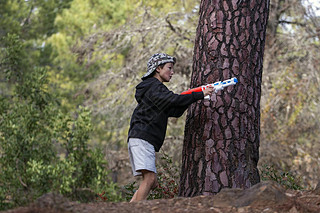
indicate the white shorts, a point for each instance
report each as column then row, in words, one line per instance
column 142, row 156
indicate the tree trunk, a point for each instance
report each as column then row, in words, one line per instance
column 221, row 143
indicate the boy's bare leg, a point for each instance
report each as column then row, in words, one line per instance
column 149, row 182
column 134, row 197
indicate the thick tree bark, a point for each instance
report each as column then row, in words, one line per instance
column 221, row 144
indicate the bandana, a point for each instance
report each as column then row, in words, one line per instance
column 156, row 60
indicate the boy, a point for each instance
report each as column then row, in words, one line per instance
column 149, row 120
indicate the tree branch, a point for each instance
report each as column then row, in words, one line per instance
column 26, row 20
column 292, row 22
column 173, row 29
column 19, row 177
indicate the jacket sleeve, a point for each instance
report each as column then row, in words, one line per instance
column 177, row 111
column 176, row 104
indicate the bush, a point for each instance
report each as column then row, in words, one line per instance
column 168, row 177
column 286, row 179
column 42, row 148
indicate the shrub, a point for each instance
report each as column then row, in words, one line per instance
column 42, row 148
column 286, row 179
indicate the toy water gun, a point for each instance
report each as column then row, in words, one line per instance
column 220, row 85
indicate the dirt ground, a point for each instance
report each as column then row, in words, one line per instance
column 263, row 197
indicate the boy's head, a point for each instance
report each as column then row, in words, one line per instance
column 158, row 59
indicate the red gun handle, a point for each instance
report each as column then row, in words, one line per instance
column 197, row 89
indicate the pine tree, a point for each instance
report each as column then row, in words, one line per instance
column 221, row 143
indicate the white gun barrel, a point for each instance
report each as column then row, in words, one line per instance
column 221, row 85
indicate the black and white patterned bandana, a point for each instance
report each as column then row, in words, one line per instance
column 156, row 60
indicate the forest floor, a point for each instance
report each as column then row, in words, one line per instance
column 263, row 197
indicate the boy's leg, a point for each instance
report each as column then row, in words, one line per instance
column 134, row 197
column 148, row 183
column 142, row 158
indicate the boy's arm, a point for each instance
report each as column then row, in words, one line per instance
column 163, row 98
column 177, row 111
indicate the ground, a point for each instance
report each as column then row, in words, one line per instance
column 263, row 197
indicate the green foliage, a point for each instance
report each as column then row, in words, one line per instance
column 69, row 70
column 25, row 128
column 286, row 179
column 34, row 131
column 12, row 15
column 30, row 19
column 11, row 57
column 48, row 10
column 130, row 189
column 86, row 16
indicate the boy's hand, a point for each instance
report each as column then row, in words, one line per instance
column 208, row 91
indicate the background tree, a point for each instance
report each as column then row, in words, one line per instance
column 221, row 145
column 290, row 91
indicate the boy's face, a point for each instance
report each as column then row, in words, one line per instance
column 165, row 74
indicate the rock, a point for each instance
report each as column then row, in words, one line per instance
column 260, row 194
column 53, row 201
column 317, row 189
column 50, row 200
column 85, row 195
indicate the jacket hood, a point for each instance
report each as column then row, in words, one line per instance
column 143, row 87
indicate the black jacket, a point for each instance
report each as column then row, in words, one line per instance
column 155, row 104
